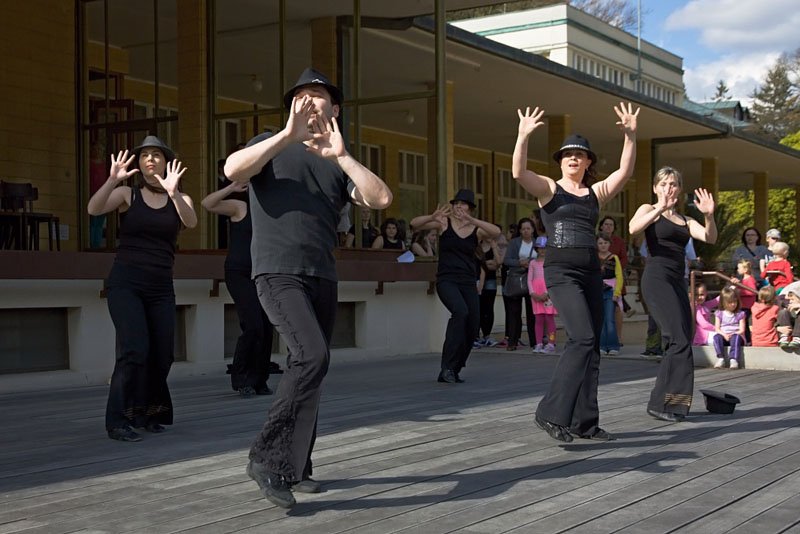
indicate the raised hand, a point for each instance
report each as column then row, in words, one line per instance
column 529, row 121
column 119, row 167
column 326, row 139
column 703, row 201
column 174, row 173
column 299, row 114
column 665, row 202
column 627, row 117
column 442, row 210
column 238, row 187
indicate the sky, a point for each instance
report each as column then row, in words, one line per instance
column 732, row 40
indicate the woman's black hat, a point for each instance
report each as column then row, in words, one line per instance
column 575, row 142
column 313, row 77
column 464, row 195
column 154, row 142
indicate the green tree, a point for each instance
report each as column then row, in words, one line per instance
column 776, row 105
column 722, row 92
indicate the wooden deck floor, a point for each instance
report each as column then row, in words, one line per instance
column 398, row 452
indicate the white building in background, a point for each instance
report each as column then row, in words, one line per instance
column 575, row 39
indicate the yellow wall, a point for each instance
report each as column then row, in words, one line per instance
column 37, row 115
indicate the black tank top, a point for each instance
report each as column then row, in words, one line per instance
column 666, row 243
column 396, row 245
column 570, row 220
column 241, row 234
column 148, row 236
column 457, row 260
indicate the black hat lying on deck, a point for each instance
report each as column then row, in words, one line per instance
column 718, row 402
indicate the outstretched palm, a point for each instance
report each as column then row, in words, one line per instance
column 529, row 121
column 704, row 202
column 119, row 166
column 174, row 173
column 299, row 114
column 627, row 117
column 326, row 140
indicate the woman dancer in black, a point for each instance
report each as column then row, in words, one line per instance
column 570, row 209
column 457, row 275
column 664, row 287
column 141, row 298
column 251, row 360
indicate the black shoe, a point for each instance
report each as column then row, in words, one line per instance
column 155, row 428
column 274, row 487
column 459, row 380
column 598, row 435
column 246, row 392
column 263, row 390
column 553, row 430
column 124, row 433
column 308, row 485
column 664, row 416
column 447, row 376
column 275, row 369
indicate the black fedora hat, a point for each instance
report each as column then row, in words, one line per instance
column 154, row 142
column 719, row 402
column 313, row 77
column 464, row 195
column 575, row 142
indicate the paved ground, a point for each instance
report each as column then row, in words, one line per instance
column 399, row 452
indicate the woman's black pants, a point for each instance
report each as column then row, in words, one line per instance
column 250, row 365
column 575, row 286
column 514, row 320
column 303, row 310
column 142, row 307
column 664, row 289
column 461, row 300
column 487, row 298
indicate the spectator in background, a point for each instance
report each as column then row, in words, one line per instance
column 511, row 233
column 618, row 247
column 423, row 243
column 704, row 329
column 779, row 270
column 543, row 310
column 521, row 251
column 730, row 325
column 773, row 236
column 788, row 325
column 752, row 250
column 368, row 231
column 390, row 236
column 744, row 271
column 611, row 270
column 97, row 177
column 763, row 331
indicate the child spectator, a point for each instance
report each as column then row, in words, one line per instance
column 765, row 316
column 744, row 270
column 543, row 308
column 779, row 270
column 611, row 270
column 788, row 325
column 730, row 327
column 704, row 330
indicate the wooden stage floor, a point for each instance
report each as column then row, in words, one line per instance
column 398, row 452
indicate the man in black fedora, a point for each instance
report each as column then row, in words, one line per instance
column 300, row 178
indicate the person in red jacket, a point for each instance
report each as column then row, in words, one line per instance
column 779, row 270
